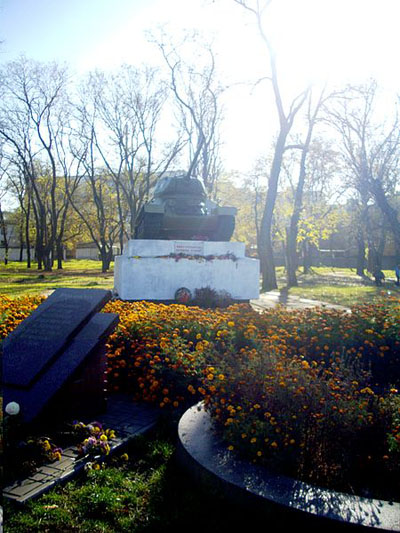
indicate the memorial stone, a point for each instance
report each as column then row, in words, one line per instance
column 59, row 346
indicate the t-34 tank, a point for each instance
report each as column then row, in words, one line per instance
column 181, row 210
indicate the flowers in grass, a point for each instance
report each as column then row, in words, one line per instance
column 97, row 439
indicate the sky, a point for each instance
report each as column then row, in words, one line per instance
column 315, row 40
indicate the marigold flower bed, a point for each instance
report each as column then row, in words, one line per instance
column 312, row 394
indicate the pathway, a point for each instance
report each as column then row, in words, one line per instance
column 271, row 299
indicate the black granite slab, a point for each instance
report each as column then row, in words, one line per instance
column 35, row 398
column 39, row 339
column 299, row 504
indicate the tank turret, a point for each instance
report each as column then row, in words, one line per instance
column 181, row 210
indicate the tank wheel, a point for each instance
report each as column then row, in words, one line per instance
column 149, row 226
column 226, row 226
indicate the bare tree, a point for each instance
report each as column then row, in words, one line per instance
column 129, row 107
column 33, row 113
column 91, row 191
column 197, row 95
column 286, row 120
column 293, row 228
column 371, row 151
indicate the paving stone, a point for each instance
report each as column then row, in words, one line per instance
column 135, row 421
column 21, row 489
column 65, row 463
column 39, row 476
column 70, row 452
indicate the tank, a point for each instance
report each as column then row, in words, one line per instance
column 180, row 210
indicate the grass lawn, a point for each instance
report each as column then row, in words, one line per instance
column 17, row 280
column 147, row 493
column 340, row 286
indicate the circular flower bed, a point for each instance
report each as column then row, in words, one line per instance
column 312, row 394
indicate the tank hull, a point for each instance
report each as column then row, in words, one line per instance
column 189, row 227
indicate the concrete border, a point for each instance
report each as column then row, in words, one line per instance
column 203, row 453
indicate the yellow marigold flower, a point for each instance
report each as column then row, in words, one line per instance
column 253, row 440
column 231, row 324
column 274, row 444
column 367, row 390
column 198, row 336
column 244, row 435
column 103, row 437
column 125, row 457
column 210, row 376
column 259, row 453
column 230, row 447
column 221, row 377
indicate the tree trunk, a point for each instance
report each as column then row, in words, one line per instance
column 306, row 257
column 360, row 254
column 106, row 256
column 265, row 245
column 28, row 246
column 388, row 211
column 291, row 256
column 60, row 250
column 27, row 236
column 4, row 234
column 47, row 262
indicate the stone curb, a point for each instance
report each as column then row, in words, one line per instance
column 284, row 498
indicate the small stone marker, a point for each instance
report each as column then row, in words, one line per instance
column 58, row 352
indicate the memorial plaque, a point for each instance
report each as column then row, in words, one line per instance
column 42, row 336
column 69, row 366
column 189, row 247
column 61, row 341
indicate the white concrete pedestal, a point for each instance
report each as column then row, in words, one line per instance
column 155, row 269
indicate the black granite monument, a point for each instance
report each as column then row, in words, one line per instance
column 54, row 361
